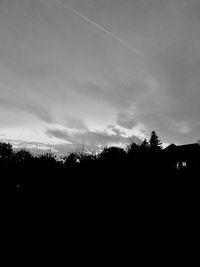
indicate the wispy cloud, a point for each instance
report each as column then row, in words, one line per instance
column 39, row 111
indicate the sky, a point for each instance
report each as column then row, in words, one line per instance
column 92, row 72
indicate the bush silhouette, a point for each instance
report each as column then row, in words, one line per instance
column 112, row 154
column 22, row 156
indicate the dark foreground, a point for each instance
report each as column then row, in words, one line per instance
column 115, row 207
column 99, row 213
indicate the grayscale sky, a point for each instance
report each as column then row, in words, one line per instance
column 98, row 71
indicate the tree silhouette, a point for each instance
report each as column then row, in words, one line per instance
column 6, row 152
column 144, row 146
column 154, row 142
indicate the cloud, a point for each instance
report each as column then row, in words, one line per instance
column 60, row 134
column 40, row 147
column 126, row 120
column 91, row 139
column 23, row 105
column 75, row 123
column 116, row 130
column 122, row 92
column 53, row 63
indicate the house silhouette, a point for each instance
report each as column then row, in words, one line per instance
column 183, row 155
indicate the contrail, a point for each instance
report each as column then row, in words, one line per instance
column 124, row 43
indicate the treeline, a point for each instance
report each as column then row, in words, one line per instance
column 21, row 169
column 109, row 157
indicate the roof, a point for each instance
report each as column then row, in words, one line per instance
column 170, row 147
column 187, row 150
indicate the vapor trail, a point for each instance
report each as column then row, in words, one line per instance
column 127, row 45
